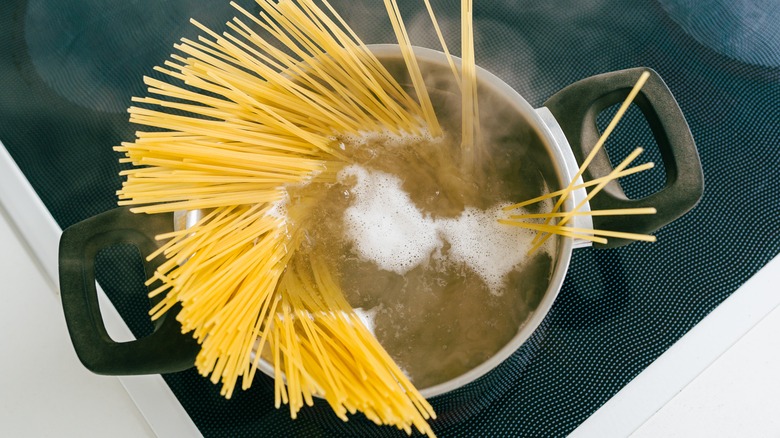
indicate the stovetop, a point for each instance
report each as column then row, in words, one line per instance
column 70, row 69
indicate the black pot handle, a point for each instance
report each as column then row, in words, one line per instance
column 576, row 108
column 166, row 350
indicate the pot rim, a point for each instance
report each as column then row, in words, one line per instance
column 557, row 148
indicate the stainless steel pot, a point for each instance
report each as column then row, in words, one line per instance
column 563, row 131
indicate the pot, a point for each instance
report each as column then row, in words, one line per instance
column 561, row 132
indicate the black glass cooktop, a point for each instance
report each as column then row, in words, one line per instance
column 69, row 67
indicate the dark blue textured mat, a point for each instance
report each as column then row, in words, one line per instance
column 68, row 69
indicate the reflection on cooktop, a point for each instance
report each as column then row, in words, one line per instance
column 94, row 52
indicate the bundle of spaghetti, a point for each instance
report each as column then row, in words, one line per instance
column 411, row 64
column 546, row 229
column 238, row 120
column 320, row 344
column 224, row 273
column 252, row 110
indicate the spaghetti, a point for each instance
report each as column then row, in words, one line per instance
column 240, row 121
column 546, row 229
column 237, row 121
column 469, row 104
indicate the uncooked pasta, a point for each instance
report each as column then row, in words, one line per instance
column 265, row 125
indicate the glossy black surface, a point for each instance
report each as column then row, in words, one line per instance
column 618, row 310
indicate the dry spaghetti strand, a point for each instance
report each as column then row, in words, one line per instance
column 597, row 147
column 443, row 43
column 469, row 102
column 414, row 69
column 590, row 183
column 238, row 117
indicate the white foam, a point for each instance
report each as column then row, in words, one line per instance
column 388, row 138
column 279, row 208
column 387, row 228
column 384, row 224
column 489, row 248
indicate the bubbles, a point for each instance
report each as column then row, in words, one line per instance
column 279, row 208
column 383, row 223
column 386, row 138
column 416, row 244
column 489, row 248
column 386, row 227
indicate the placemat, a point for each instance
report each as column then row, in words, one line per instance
column 68, row 70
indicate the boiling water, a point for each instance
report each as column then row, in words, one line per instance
column 414, row 240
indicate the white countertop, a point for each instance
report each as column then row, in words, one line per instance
column 45, row 391
column 719, row 380
column 737, row 395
